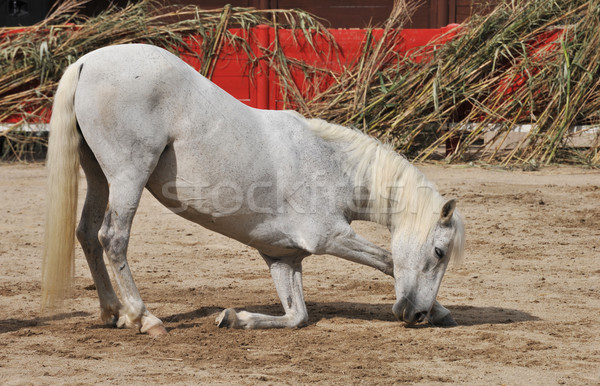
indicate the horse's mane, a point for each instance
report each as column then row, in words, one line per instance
column 400, row 195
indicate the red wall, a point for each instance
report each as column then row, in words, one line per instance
column 258, row 86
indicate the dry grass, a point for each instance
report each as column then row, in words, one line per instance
column 31, row 63
column 532, row 62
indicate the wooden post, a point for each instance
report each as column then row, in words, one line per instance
column 439, row 12
column 442, row 13
column 432, row 13
column 452, row 11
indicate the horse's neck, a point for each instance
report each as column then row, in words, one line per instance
column 387, row 188
column 360, row 208
column 369, row 202
column 363, row 208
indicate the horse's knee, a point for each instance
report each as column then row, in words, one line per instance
column 113, row 242
column 298, row 319
column 82, row 234
column 88, row 239
column 440, row 316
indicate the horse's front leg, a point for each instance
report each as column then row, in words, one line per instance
column 287, row 275
column 350, row 246
column 440, row 316
column 114, row 237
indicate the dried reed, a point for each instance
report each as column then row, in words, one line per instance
column 32, row 61
column 530, row 62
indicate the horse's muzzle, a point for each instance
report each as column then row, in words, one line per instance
column 406, row 312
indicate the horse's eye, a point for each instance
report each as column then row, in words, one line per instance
column 439, row 253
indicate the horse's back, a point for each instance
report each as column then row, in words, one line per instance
column 134, row 100
column 146, row 92
column 143, row 86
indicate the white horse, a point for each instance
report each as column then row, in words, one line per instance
column 137, row 116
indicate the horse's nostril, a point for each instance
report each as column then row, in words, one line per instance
column 419, row 316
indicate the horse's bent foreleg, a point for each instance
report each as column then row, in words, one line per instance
column 350, row 246
column 87, row 234
column 440, row 316
column 353, row 247
column 114, row 237
column 287, row 275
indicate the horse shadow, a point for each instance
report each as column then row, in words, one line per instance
column 12, row 324
column 464, row 315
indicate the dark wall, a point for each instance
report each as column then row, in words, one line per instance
column 23, row 12
column 339, row 13
column 362, row 13
column 15, row 13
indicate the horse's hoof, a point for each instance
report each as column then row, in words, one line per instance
column 123, row 322
column 227, row 318
column 157, row 330
column 110, row 315
column 110, row 320
column 446, row 321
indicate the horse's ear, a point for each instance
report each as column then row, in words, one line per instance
column 447, row 211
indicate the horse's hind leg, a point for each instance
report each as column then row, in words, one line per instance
column 287, row 275
column 124, row 197
column 87, row 234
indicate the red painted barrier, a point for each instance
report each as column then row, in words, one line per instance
column 257, row 84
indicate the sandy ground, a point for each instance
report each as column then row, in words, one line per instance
column 527, row 297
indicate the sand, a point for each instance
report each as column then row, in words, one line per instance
column 527, row 297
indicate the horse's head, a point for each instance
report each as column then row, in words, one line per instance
column 419, row 266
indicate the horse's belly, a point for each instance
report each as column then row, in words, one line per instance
column 224, row 208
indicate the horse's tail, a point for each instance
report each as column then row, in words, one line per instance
column 61, row 208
